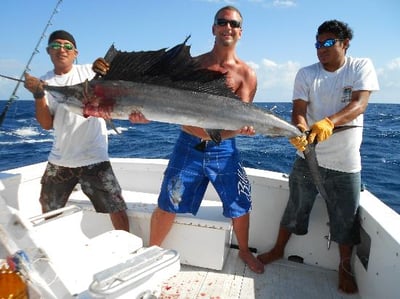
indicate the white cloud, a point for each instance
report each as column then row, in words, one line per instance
column 284, row 3
column 275, row 81
column 394, row 64
column 389, row 82
column 269, row 63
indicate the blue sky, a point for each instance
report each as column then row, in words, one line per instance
column 278, row 35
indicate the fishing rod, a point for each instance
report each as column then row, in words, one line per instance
column 13, row 96
column 12, row 78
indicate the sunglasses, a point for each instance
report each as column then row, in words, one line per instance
column 58, row 46
column 327, row 43
column 223, row 23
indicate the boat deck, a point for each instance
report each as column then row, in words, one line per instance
column 281, row 279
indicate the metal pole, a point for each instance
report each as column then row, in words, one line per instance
column 13, row 96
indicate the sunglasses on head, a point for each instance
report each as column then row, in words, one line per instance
column 224, row 22
column 58, row 46
column 330, row 42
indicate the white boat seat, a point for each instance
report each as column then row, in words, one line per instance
column 75, row 256
column 141, row 203
column 212, row 231
column 137, row 274
column 60, row 256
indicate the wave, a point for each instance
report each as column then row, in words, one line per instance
column 25, row 141
column 119, row 130
column 28, row 131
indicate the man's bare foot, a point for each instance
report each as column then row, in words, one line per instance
column 270, row 256
column 250, row 260
column 347, row 283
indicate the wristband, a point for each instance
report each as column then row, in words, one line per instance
column 38, row 95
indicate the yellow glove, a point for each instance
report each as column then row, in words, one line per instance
column 299, row 142
column 321, row 130
column 100, row 66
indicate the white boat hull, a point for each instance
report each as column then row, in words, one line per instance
column 376, row 262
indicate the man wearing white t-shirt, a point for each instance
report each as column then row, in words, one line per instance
column 328, row 95
column 80, row 149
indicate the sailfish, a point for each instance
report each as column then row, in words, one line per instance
column 168, row 85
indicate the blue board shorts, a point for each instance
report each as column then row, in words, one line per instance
column 97, row 181
column 190, row 170
column 343, row 190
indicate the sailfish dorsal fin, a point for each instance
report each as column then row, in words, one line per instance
column 174, row 68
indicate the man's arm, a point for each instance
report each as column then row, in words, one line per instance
column 323, row 129
column 299, row 111
column 246, row 91
column 43, row 115
column 357, row 106
column 42, row 112
column 248, row 87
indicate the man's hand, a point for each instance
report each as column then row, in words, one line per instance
column 138, row 117
column 34, row 85
column 300, row 142
column 100, row 66
column 321, row 130
column 247, row 130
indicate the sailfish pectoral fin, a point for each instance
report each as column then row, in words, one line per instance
column 215, row 136
column 87, row 96
column 310, row 156
column 312, row 162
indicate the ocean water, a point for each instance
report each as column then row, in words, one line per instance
column 23, row 142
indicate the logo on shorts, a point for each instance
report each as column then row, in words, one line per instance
column 244, row 186
column 175, row 189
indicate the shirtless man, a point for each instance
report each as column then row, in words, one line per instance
column 192, row 167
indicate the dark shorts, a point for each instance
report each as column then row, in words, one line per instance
column 190, row 170
column 97, row 181
column 343, row 190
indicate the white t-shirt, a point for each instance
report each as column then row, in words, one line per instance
column 78, row 141
column 329, row 92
